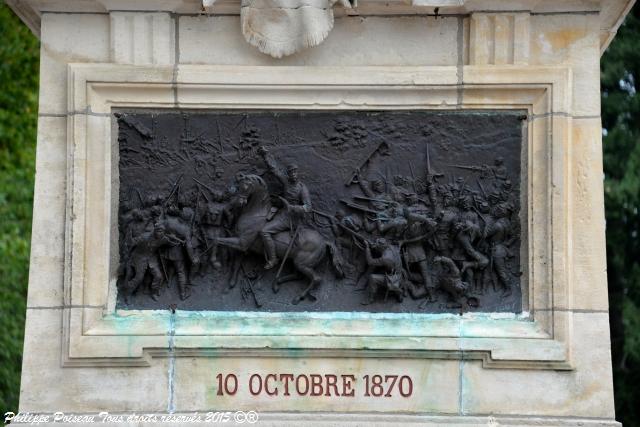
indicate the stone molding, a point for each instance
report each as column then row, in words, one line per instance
column 96, row 334
column 610, row 17
column 322, row 419
column 142, row 38
column 499, row 38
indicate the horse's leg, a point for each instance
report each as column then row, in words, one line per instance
column 237, row 264
column 287, row 278
column 236, row 243
column 336, row 260
column 314, row 281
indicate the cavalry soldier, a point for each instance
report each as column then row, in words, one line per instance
column 298, row 203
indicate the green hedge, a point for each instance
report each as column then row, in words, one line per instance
column 19, row 51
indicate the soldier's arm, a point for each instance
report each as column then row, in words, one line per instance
column 452, row 265
column 273, row 166
column 420, row 218
column 431, row 191
column 366, row 188
column 374, row 262
column 490, row 229
column 305, row 200
column 136, row 240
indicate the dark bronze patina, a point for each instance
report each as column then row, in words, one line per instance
column 320, row 211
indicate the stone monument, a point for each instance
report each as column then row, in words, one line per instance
column 310, row 212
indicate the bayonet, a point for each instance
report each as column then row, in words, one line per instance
column 470, row 168
column 173, row 190
column 371, row 199
column 365, row 161
column 413, row 176
column 484, row 194
column 204, row 185
column 353, row 233
column 429, row 171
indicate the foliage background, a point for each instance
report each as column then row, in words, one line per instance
column 620, row 68
column 19, row 51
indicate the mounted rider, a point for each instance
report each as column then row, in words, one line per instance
column 298, row 203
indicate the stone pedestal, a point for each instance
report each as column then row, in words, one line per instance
column 548, row 364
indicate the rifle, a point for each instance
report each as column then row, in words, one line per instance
column 174, row 240
column 470, row 168
column 413, row 176
column 354, row 234
column 429, row 171
column 324, row 214
column 164, row 270
column 204, row 185
column 359, row 207
column 203, row 194
column 250, row 283
column 371, row 199
column 173, row 190
column 367, row 159
column 484, row 194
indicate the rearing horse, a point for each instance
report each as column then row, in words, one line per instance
column 307, row 251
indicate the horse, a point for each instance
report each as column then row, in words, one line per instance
column 306, row 252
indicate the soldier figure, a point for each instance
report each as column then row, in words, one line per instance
column 177, row 222
column 399, row 188
column 451, row 281
column 499, row 169
column 374, row 189
column 393, row 223
column 144, row 257
column 211, row 229
column 298, row 203
column 467, row 230
column 446, row 215
column 414, row 253
column 385, row 270
column 498, row 236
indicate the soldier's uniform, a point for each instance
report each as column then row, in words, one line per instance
column 389, row 266
column 497, row 235
column 414, row 252
column 144, row 257
column 297, row 196
column 175, row 254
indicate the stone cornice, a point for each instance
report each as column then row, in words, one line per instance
column 611, row 15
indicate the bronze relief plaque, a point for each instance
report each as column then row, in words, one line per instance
column 356, row 211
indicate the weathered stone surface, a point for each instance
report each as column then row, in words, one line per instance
column 398, row 40
column 65, row 39
column 47, row 387
column 587, row 390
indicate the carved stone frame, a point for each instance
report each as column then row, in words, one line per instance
column 96, row 334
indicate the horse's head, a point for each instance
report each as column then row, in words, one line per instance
column 252, row 189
